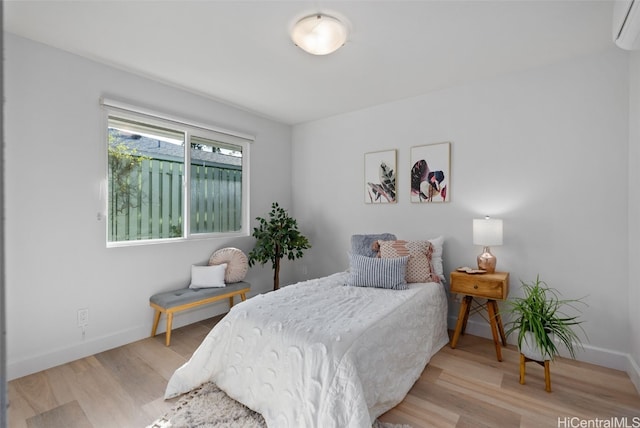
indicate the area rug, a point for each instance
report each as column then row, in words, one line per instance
column 209, row 407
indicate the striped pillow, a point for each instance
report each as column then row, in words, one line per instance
column 379, row 273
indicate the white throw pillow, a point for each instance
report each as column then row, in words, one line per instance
column 208, row 276
column 436, row 257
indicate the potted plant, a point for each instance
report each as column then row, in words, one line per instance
column 276, row 237
column 539, row 320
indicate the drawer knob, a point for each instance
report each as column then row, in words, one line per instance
column 475, row 286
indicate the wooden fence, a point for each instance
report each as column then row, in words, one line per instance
column 152, row 208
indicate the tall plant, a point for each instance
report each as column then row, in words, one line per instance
column 276, row 237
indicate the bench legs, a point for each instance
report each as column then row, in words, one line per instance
column 156, row 321
column 169, row 324
column 243, row 297
column 169, row 313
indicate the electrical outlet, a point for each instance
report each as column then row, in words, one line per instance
column 83, row 317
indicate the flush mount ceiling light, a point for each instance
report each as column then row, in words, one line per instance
column 319, row 34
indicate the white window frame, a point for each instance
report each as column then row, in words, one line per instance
column 189, row 127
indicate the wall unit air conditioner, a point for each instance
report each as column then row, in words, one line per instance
column 626, row 24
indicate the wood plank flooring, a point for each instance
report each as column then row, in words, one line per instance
column 462, row 387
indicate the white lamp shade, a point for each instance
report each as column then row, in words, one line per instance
column 319, row 34
column 487, row 232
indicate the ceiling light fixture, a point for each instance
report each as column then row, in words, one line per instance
column 319, row 34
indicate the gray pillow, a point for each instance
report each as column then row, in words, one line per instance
column 378, row 273
column 361, row 244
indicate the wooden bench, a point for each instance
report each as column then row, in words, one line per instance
column 170, row 302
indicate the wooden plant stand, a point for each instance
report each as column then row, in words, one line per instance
column 547, row 371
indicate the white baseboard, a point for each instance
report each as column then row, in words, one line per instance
column 591, row 354
column 63, row 355
column 32, row 364
column 633, row 370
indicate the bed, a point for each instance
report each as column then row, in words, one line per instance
column 319, row 353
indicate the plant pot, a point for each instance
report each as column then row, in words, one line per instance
column 530, row 349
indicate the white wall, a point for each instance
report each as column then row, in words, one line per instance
column 634, row 217
column 545, row 150
column 56, row 259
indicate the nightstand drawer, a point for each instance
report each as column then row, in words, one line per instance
column 488, row 285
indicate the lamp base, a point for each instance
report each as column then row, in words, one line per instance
column 487, row 261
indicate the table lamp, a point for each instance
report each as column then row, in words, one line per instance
column 487, row 232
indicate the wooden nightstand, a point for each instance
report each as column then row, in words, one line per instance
column 490, row 286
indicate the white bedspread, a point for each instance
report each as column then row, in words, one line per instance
column 321, row 354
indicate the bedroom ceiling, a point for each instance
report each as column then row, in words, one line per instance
column 239, row 52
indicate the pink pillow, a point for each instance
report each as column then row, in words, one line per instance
column 236, row 261
column 419, row 267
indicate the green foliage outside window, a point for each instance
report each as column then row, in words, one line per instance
column 123, row 160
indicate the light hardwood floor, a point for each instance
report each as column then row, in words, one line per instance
column 462, row 387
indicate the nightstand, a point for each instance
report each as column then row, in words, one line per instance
column 490, row 286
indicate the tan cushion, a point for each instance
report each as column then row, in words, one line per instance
column 236, row 260
column 419, row 267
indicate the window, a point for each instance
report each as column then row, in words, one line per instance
column 168, row 179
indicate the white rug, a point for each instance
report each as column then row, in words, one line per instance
column 209, row 407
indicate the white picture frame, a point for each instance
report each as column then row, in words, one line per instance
column 380, row 177
column 430, row 173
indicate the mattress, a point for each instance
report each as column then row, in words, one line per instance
column 319, row 353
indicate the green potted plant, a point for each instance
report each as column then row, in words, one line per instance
column 539, row 318
column 276, row 237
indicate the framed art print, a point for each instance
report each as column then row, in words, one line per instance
column 430, row 169
column 380, row 177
